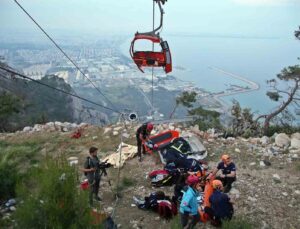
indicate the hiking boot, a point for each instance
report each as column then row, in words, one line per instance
column 98, row 198
column 140, row 159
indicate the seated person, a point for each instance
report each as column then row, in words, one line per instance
column 228, row 175
column 221, row 206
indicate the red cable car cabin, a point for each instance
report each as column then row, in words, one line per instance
column 151, row 58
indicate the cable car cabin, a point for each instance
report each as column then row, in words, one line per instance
column 151, row 58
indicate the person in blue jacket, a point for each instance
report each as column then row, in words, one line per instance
column 189, row 204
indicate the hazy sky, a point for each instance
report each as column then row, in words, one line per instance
column 278, row 18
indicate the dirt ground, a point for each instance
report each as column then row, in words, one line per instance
column 259, row 199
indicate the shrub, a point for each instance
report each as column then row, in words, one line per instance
column 8, row 181
column 51, row 199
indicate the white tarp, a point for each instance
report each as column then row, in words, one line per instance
column 127, row 152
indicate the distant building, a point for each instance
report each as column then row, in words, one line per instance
column 105, row 68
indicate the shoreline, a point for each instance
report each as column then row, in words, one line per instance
column 253, row 86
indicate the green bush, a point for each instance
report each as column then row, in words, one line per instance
column 13, row 157
column 281, row 129
column 8, row 181
column 51, row 198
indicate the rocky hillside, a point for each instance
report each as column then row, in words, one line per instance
column 266, row 194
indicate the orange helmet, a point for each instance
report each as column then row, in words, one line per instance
column 225, row 157
column 149, row 126
column 217, row 184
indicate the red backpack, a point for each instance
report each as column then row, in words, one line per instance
column 166, row 209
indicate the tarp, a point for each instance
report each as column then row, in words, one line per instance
column 128, row 152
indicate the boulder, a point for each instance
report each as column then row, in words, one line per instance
column 178, row 129
column 27, row 129
column 296, row 135
column 49, row 126
column 171, row 127
column 37, row 127
column 276, row 177
column 117, row 128
column 107, row 130
column 264, row 140
column 295, row 143
column 237, row 150
column 115, row 133
column 195, row 129
column 282, row 140
column 254, row 141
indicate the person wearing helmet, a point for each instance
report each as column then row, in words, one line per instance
column 142, row 135
column 221, row 206
column 189, row 204
column 228, row 169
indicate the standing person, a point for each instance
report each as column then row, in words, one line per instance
column 221, row 206
column 228, row 175
column 189, row 204
column 92, row 172
column 142, row 135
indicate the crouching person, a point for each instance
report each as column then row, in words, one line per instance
column 228, row 175
column 189, row 215
column 221, row 206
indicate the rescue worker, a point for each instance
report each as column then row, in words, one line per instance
column 189, row 204
column 92, row 172
column 221, row 206
column 228, row 175
column 142, row 135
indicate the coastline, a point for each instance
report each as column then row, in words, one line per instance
column 253, row 86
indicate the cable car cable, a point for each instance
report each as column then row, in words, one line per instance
column 57, row 89
column 65, row 54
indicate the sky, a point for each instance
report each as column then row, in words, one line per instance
column 255, row 18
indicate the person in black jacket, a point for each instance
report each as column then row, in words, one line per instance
column 142, row 135
column 92, row 171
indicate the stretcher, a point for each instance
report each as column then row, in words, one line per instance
column 161, row 140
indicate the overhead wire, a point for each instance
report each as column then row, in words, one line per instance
column 57, row 89
column 65, row 54
column 152, row 88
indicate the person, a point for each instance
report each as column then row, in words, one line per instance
column 158, row 202
column 189, row 203
column 142, row 135
column 228, row 175
column 92, row 172
column 221, row 206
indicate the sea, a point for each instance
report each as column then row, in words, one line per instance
column 256, row 59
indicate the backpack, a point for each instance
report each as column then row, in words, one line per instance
column 161, row 178
column 166, row 209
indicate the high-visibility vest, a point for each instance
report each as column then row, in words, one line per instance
column 177, row 148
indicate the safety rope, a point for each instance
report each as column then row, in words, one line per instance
column 65, row 54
